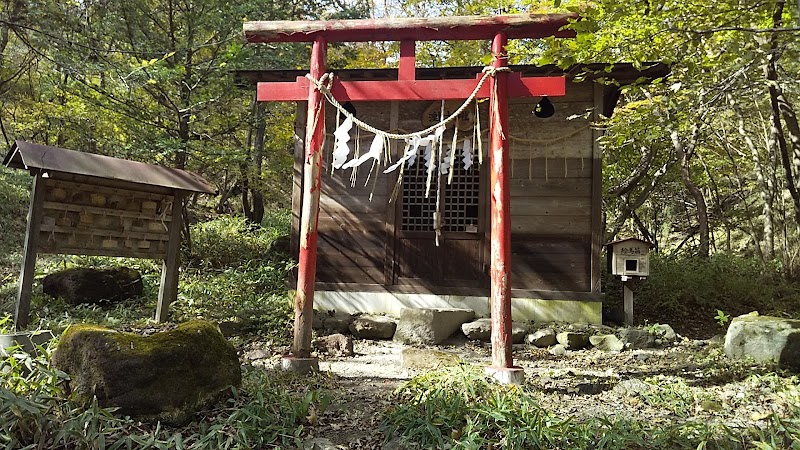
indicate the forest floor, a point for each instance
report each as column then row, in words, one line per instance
column 690, row 380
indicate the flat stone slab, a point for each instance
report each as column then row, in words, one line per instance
column 765, row 339
column 429, row 326
column 427, row 359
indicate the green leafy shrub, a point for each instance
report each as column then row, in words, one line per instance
column 688, row 292
column 230, row 241
column 255, row 298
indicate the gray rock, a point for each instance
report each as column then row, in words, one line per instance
column 481, row 330
column 334, row 345
column 167, row 376
column 558, row 350
column 636, row 338
column 319, row 444
column 606, row 342
column 765, row 339
column 87, row 285
column 428, row 326
column 665, row 333
column 573, row 340
column 427, row 359
column 332, row 322
column 257, row 354
column 368, row 326
column 542, row 338
column 632, row 387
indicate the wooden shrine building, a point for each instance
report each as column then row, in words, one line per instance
column 377, row 255
column 459, row 196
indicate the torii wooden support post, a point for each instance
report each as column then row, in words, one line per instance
column 315, row 135
column 407, row 87
column 500, row 218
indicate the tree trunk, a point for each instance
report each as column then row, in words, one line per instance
column 685, row 157
column 765, row 188
column 254, row 207
column 780, row 107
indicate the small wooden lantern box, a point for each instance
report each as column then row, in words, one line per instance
column 629, row 258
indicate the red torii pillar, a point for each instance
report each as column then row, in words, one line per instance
column 502, row 86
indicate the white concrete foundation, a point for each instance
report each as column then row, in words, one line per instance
column 522, row 309
column 507, row 375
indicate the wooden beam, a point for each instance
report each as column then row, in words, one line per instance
column 168, row 291
column 517, row 26
column 312, row 185
column 355, row 91
column 23, row 307
column 407, row 67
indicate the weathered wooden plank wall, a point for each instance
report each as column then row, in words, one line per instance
column 552, row 187
column 551, row 193
column 352, row 234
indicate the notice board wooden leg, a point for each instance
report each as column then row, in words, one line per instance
column 627, row 294
column 23, row 308
column 168, row 291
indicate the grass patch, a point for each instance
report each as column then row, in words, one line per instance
column 461, row 408
column 690, row 293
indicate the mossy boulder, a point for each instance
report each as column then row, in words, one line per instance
column 167, row 376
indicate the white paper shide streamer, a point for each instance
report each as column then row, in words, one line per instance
column 341, row 149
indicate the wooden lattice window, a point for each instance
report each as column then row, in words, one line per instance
column 459, row 203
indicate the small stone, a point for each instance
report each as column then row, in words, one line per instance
column 368, row 326
column 542, row 338
column 481, row 330
column 335, row 345
column 332, row 322
column 632, row 387
column 607, row 343
column 710, row 405
column 427, row 359
column 665, row 332
column 319, row 444
column 558, row 350
column 572, row 340
column 259, row 353
column 636, row 338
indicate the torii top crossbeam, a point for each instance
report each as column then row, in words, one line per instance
column 501, row 86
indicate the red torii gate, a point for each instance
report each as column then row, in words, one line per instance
column 503, row 84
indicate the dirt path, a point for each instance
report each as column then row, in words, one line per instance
column 691, row 380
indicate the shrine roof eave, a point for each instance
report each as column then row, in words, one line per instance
column 30, row 156
column 622, row 73
column 516, row 26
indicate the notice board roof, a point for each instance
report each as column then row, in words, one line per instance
column 26, row 155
